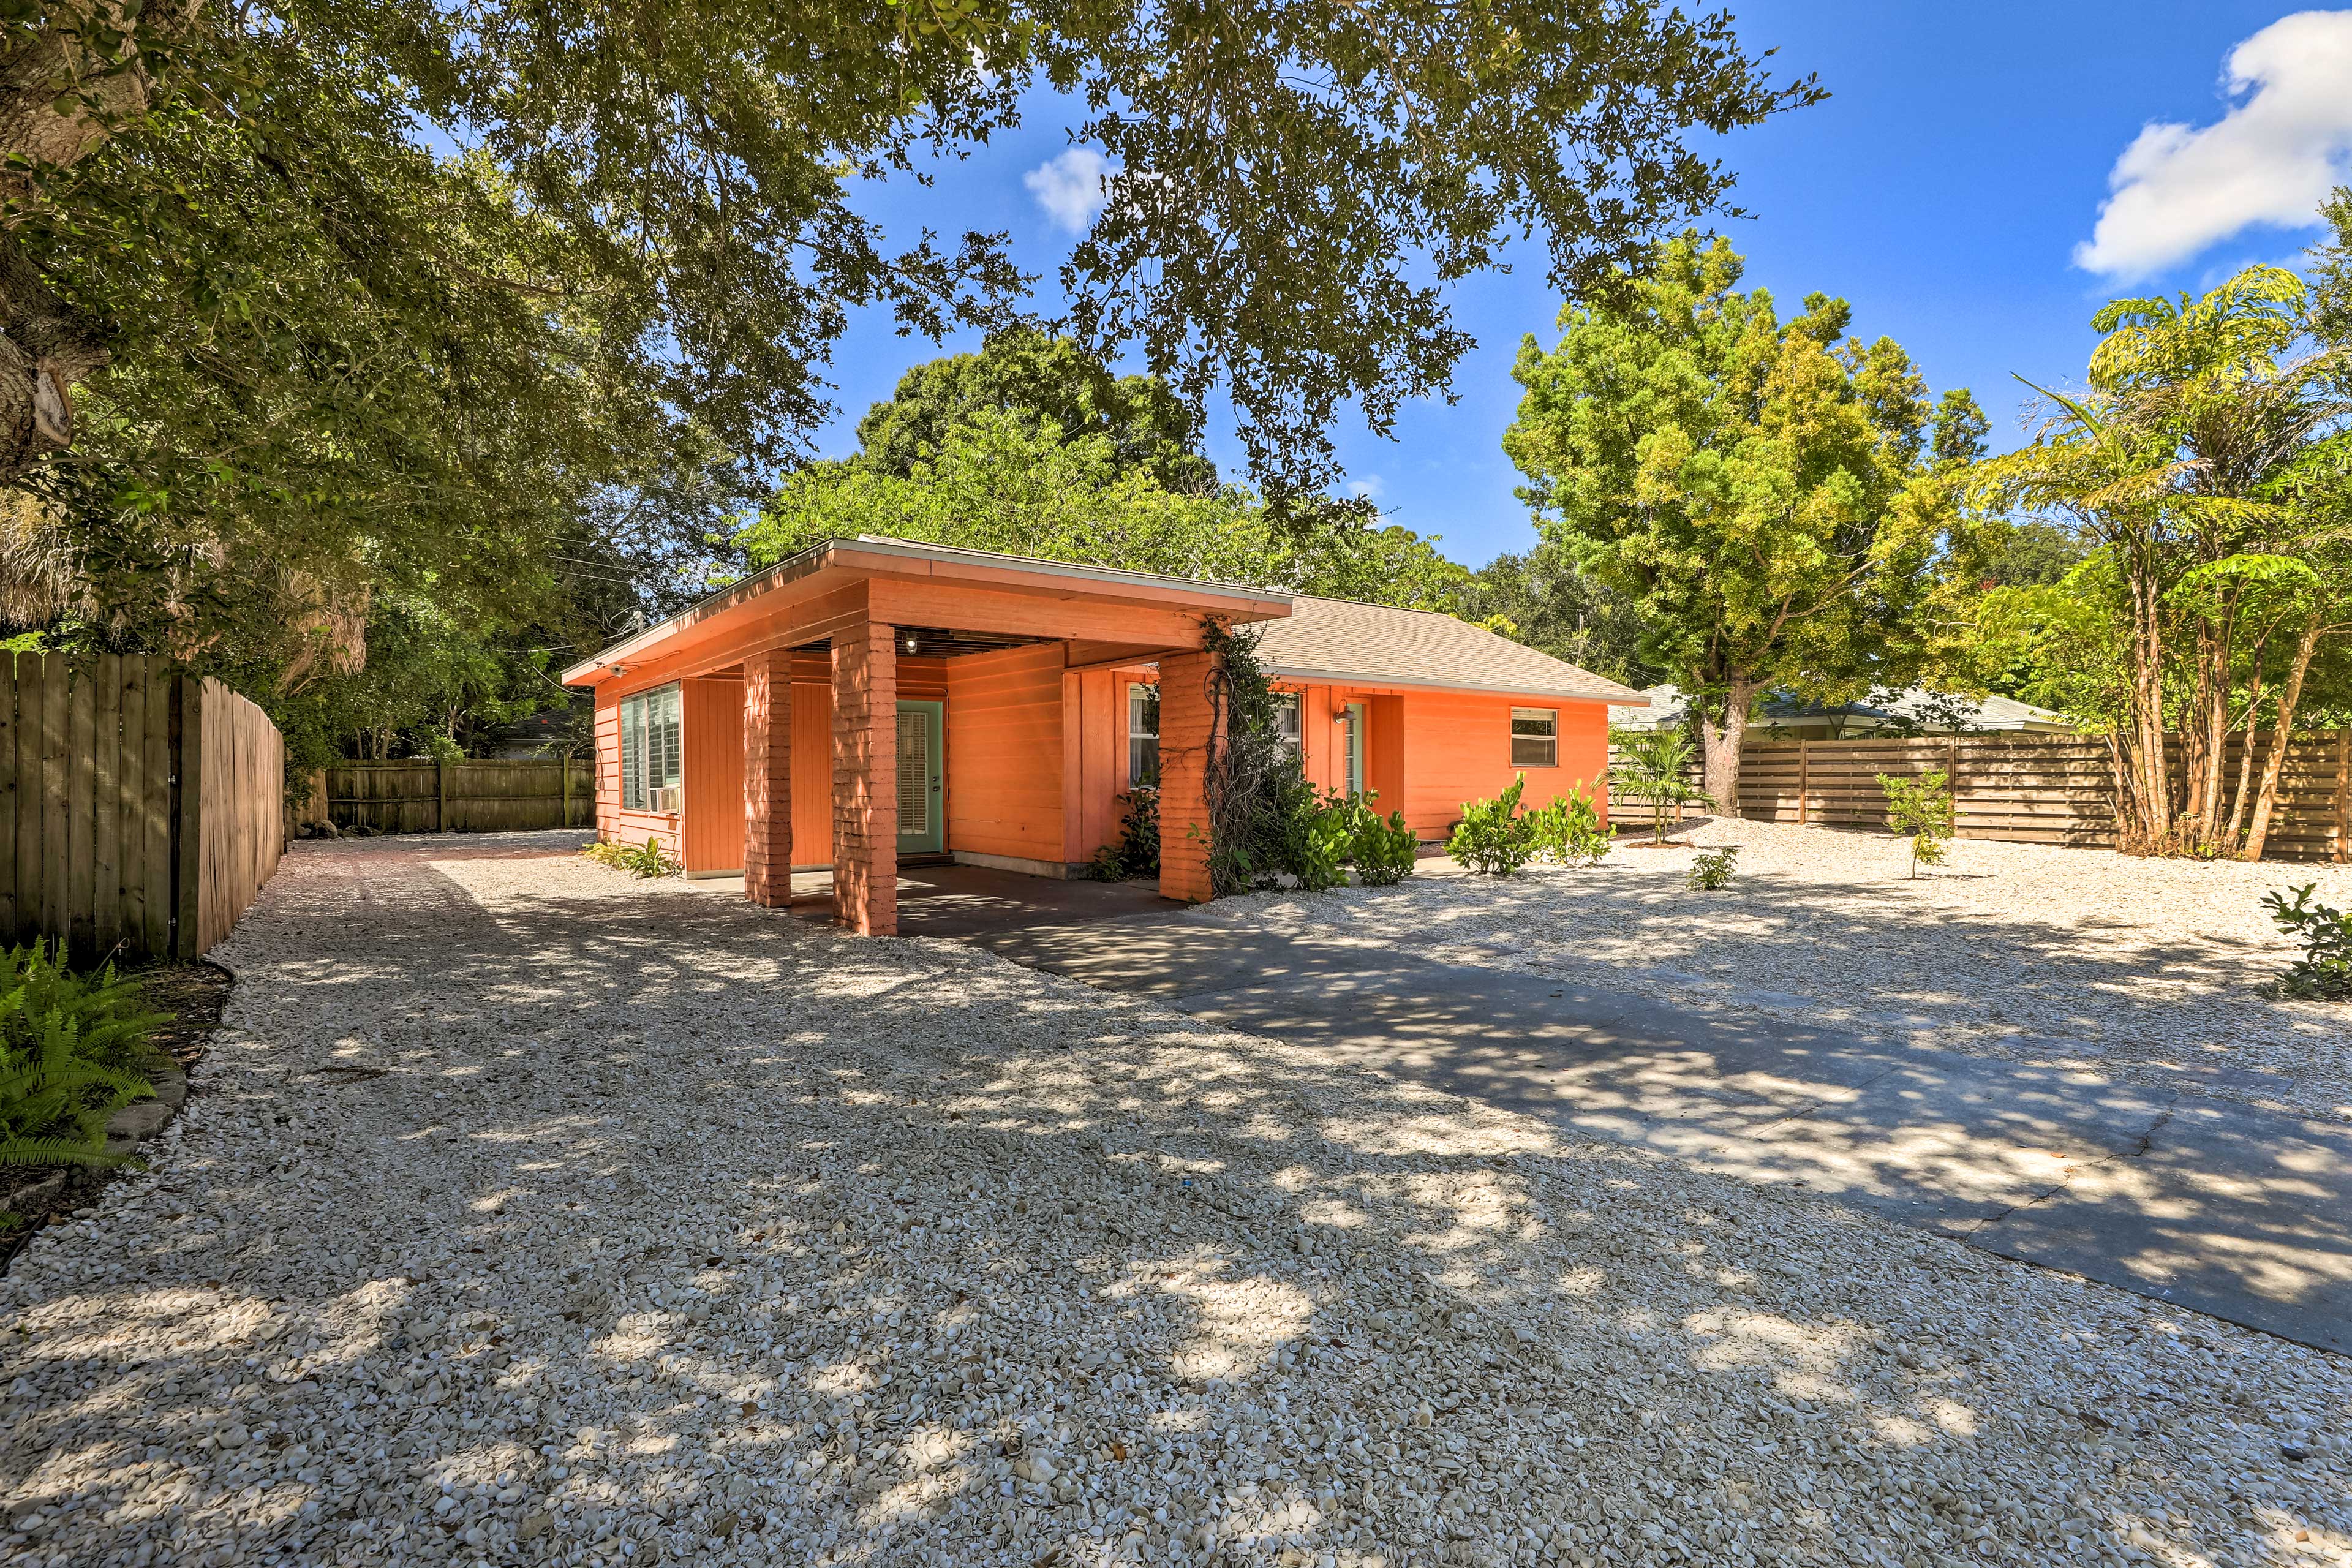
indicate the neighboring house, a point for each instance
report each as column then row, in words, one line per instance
column 1913, row 711
column 872, row 699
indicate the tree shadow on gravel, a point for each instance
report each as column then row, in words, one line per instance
column 2018, row 986
column 643, row 1226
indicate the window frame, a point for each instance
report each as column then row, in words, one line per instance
column 1142, row 696
column 1549, row 740
column 652, row 736
column 1291, row 706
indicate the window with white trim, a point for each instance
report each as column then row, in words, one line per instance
column 1288, row 718
column 653, row 751
column 1142, row 735
column 1535, row 737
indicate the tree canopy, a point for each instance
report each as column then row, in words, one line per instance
column 1007, row 481
column 1542, row 599
column 1038, row 380
column 311, row 307
column 1766, row 493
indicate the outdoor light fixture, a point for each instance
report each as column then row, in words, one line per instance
column 620, row 670
column 910, row 642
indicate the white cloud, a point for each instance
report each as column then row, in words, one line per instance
column 2285, row 144
column 1072, row 187
column 1368, row 488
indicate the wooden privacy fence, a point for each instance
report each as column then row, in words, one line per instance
column 421, row 795
column 2034, row 789
column 141, row 809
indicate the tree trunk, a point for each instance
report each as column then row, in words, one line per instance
column 46, row 346
column 2152, row 793
column 1719, row 740
column 2274, row 765
column 64, row 91
column 2244, row 794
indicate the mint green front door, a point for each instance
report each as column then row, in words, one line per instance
column 922, row 803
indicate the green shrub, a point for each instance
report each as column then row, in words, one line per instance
column 1712, row 872
column 74, row 1049
column 647, row 859
column 1570, row 832
column 1650, row 767
column 1493, row 839
column 1137, row 853
column 2324, row 973
column 1317, row 832
column 1922, row 808
column 1382, row 848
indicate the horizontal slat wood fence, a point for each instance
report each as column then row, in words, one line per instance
column 477, row 795
column 2033, row 789
column 141, row 809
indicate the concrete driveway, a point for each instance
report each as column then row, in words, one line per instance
column 2239, row 1212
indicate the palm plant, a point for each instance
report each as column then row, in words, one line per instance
column 1653, row 766
column 2183, row 463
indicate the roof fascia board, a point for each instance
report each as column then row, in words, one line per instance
column 1362, row 681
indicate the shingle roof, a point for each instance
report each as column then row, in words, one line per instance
column 1338, row 639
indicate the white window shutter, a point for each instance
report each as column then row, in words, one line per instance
column 914, row 773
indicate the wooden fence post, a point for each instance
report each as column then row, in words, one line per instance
column 564, row 762
column 1804, row 778
column 441, row 815
column 2344, row 794
column 188, row 802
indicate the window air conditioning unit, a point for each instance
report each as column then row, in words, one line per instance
column 666, row 798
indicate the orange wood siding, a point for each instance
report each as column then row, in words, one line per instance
column 1094, row 749
column 1005, row 759
column 713, row 775
column 1386, row 774
column 812, row 769
column 1319, row 737
column 1459, row 744
column 608, row 764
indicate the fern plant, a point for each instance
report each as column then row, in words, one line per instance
column 647, row 859
column 74, row 1049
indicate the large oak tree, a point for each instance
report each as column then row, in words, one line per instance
column 487, row 291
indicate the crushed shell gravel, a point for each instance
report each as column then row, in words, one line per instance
column 524, row 1213
column 2160, row 972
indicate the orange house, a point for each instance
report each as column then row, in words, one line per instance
column 871, row 699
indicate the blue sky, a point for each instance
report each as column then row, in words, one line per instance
column 1947, row 188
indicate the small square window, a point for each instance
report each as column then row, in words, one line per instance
column 1287, row 725
column 1142, row 736
column 1535, row 737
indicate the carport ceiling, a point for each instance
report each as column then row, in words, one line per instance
column 941, row 642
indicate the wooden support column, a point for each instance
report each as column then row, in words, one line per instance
column 768, row 778
column 866, row 779
column 1187, row 739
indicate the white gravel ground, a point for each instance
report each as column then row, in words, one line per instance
column 2156, row 970
column 523, row 1214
